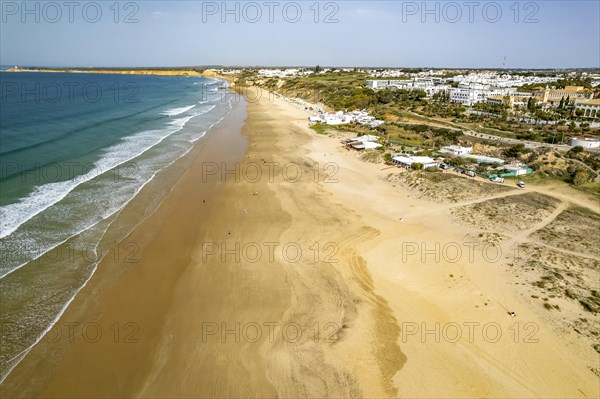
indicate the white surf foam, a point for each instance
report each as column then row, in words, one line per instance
column 15, row 360
column 14, row 215
column 177, row 111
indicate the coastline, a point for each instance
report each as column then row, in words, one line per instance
column 358, row 303
column 53, row 279
column 221, row 143
column 109, row 71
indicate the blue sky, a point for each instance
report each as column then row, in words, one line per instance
column 477, row 34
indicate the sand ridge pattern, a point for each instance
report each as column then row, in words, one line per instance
column 507, row 214
column 554, row 247
column 329, row 293
column 447, row 187
column 351, row 300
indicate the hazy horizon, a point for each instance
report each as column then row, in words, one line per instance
column 385, row 34
column 293, row 66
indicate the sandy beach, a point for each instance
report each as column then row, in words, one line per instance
column 282, row 265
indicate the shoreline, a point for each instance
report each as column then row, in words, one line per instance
column 109, row 71
column 122, row 252
column 351, row 301
column 83, row 250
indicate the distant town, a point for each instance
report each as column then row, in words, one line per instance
column 470, row 88
column 488, row 123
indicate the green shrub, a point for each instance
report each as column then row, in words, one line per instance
column 580, row 177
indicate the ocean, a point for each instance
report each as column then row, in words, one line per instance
column 75, row 149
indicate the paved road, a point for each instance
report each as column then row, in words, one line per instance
column 530, row 144
column 532, row 121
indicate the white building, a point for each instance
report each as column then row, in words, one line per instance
column 484, row 158
column 367, row 137
column 282, row 73
column 338, row 118
column 467, row 152
column 585, row 142
column 519, row 100
column 490, row 78
column 384, row 84
column 366, row 145
column 591, row 108
column 517, row 169
column 472, row 93
column 407, row 161
column 501, row 80
column 386, row 73
column 365, row 142
column 430, row 86
column 456, row 150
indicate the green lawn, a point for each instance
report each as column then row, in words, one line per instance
column 320, row 128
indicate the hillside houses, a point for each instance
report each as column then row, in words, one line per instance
column 554, row 96
column 472, row 93
column 284, row 73
column 469, row 89
column 467, row 93
column 340, row 118
column 519, row 100
column 501, row 79
column 430, row 86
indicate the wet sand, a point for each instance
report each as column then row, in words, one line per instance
column 105, row 340
column 292, row 282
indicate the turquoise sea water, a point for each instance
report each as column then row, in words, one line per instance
column 74, row 150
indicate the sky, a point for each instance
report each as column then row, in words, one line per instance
column 452, row 34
